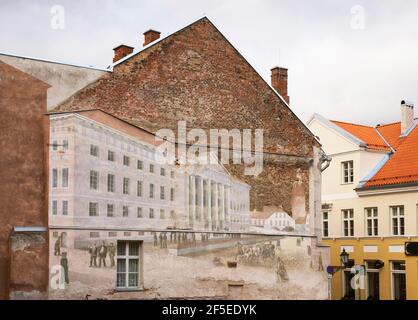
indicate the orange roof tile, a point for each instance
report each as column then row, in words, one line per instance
column 367, row 134
column 392, row 133
column 402, row 167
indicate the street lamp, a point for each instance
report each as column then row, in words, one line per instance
column 344, row 258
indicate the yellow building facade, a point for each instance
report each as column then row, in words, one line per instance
column 372, row 224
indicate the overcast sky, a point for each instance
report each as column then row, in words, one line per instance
column 348, row 60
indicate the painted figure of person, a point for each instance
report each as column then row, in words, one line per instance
column 281, row 271
column 93, row 255
column 64, row 264
column 165, row 240
column 155, row 240
column 57, row 247
column 161, row 240
column 102, row 254
column 112, row 252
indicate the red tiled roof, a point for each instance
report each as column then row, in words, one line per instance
column 402, row 167
column 367, row 134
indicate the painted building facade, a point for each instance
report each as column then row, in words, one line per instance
column 370, row 204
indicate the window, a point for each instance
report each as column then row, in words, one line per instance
column 172, row 194
column 372, row 281
column 54, row 178
column 325, row 224
column 151, row 213
column 125, row 185
column 110, row 156
column 113, row 234
column 94, row 180
column 398, row 280
column 347, row 172
column 162, row 214
column 372, row 223
column 139, row 188
column 125, row 212
column 65, row 177
column 94, row 234
column 126, row 161
column 398, row 220
column 127, row 267
column 172, row 214
column 151, row 191
column 54, row 207
column 94, row 150
column 93, row 209
column 110, row 210
column 65, row 144
column 162, row 192
column 172, row 174
column 55, row 145
column 162, row 172
column 140, row 165
column 139, row 212
column 65, row 208
column 151, row 168
column 111, row 183
column 348, row 222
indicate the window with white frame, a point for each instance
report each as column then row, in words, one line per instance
column 128, row 265
column 126, row 161
column 151, row 213
column 54, row 178
column 162, row 172
column 110, row 210
column 172, row 174
column 325, row 222
column 151, row 190
column 139, row 212
column 139, row 188
column 65, row 177
column 372, row 222
column 54, row 207
column 94, row 180
column 110, row 156
column 93, row 209
column 111, row 183
column 162, row 192
column 65, row 144
column 398, row 280
column 172, row 195
column 151, row 168
column 55, row 145
column 347, row 172
column 398, row 220
column 94, row 150
column 65, row 208
column 162, row 214
column 125, row 185
column 125, row 211
column 348, row 222
column 172, row 214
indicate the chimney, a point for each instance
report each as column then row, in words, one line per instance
column 150, row 36
column 279, row 81
column 121, row 52
column 407, row 116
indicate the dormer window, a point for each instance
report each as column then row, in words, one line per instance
column 347, row 172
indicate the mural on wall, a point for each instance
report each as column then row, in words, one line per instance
column 148, row 265
column 124, row 225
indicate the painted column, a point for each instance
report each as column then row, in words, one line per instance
column 209, row 202
column 222, row 209
column 193, row 198
column 216, row 213
column 202, row 208
column 228, row 206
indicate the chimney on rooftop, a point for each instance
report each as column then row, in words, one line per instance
column 279, row 81
column 407, row 116
column 121, row 52
column 151, row 36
